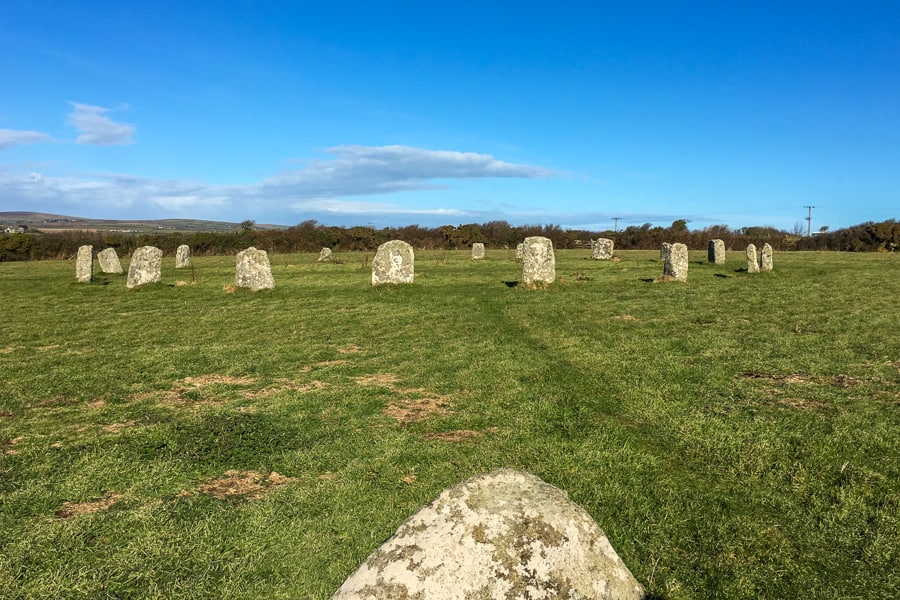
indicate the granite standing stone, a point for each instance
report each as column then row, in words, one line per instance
column 520, row 251
column 602, row 249
column 676, row 265
column 715, row 253
column 477, row 251
column 765, row 258
column 183, row 256
column 253, row 270
column 752, row 263
column 324, row 255
column 84, row 264
column 145, row 267
column 109, row 261
column 504, row 534
column 394, row 263
column 538, row 261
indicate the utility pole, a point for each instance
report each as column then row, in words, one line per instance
column 615, row 224
column 808, row 220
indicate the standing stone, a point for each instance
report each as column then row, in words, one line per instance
column 676, row 265
column 520, row 251
column 504, row 534
column 477, row 251
column 664, row 250
column 109, row 261
column 84, row 264
column 752, row 264
column 324, row 255
column 394, row 263
column 145, row 267
column 183, row 256
column 765, row 258
column 715, row 253
column 602, row 249
column 538, row 261
column 253, row 270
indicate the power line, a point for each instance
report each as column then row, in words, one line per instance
column 808, row 219
column 615, row 224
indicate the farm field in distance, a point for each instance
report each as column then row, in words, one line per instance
column 735, row 436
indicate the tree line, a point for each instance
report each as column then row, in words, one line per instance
column 311, row 236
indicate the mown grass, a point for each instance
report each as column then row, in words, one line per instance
column 736, row 435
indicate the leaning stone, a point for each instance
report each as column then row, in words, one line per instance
column 676, row 265
column 504, row 534
column 109, row 261
column 765, row 258
column 477, row 251
column 664, row 250
column 183, row 256
column 253, row 270
column 538, row 262
column 602, row 249
column 145, row 267
column 84, row 264
column 520, row 251
column 752, row 263
column 394, row 263
column 715, row 252
column 324, row 255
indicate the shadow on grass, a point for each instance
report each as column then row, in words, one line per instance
column 511, row 284
column 723, row 276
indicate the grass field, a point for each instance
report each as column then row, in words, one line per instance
column 736, row 436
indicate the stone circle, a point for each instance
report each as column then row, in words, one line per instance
column 145, row 267
column 252, row 270
column 394, row 263
column 538, row 261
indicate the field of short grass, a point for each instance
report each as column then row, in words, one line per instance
column 736, row 436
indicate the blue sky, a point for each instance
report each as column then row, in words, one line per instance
column 392, row 113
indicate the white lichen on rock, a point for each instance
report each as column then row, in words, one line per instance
column 145, row 267
column 394, row 263
column 252, row 270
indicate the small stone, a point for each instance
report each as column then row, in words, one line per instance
column 324, row 255
column 538, row 262
column 145, row 267
column 765, row 258
column 676, row 265
column 477, row 251
column 84, row 264
column 183, row 256
column 253, row 270
column 109, row 261
column 752, row 264
column 602, row 249
column 715, row 252
column 394, row 263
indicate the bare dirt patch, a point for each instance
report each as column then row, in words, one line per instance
column 6, row 413
column 215, row 379
column 178, row 394
column 323, row 364
column 626, row 317
column 382, row 379
column 57, row 401
column 243, row 484
column 229, row 289
column 46, row 348
column 459, row 435
column 8, row 350
column 73, row 509
column 118, row 427
column 96, row 403
column 418, row 409
column 284, row 385
column 349, row 349
column 841, row 381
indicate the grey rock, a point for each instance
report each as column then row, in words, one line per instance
column 503, row 535
column 84, row 264
column 676, row 265
column 477, row 251
column 715, row 253
column 394, row 263
column 145, row 267
column 538, row 261
column 520, row 251
column 602, row 249
column 765, row 258
column 183, row 256
column 752, row 263
column 664, row 250
column 109, row 261
column 253, row 270
column 324, row 255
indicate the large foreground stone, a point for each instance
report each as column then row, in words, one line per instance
column 477, row 251
column 84, row 264
column 715, row 252
column 752, row 263
column 538, row 261
column 520, row 251
column 503, row 535
column 145, row 267
column 109, row 261
column 676, row 265
column 183, row 256
column 394, row 263
column 602, row 249
column 253, row 270
column 765, row 258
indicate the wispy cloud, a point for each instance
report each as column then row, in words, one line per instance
column 96, row 128
column 13, row 137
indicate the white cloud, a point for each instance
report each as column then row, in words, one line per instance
column 12, row 137
column 344, row 207
column 98, row 129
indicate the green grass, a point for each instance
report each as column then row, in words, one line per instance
column 736, row 436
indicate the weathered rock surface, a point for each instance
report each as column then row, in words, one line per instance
column 664, row 249
column 183, row 256
column 109, row 261
column 253, row 270
column 394, row 263
column 477, row 251
column 520, row 251
column 538, row 261
column 145, row 267
column 602, row 249
column 84, row 264
column 715, row 252
column 765, row 258
column 501, row 536
column 676, row 265
column 752, row 263
column 324, row 255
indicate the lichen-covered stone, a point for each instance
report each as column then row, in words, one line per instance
column 715, row 252
column 84, row 264
column 394, row 263
column 501, row 536
column 602, row 249
column 676, row 265
column 145, row 267
column 538, row 261
column 752, row 263
column 477, row 251
column 109, row 261
column 324, row 255
column 664, row 249
column 520, row 251
column 765, row 258
column 253, row 270
column 183, row 256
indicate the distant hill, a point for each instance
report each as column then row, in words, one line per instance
column 53, row 223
